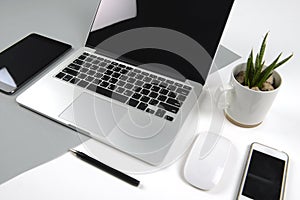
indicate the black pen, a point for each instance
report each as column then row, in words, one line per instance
column 106, row 168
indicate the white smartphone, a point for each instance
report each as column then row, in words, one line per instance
column 264, row 175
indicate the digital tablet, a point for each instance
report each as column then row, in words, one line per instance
column 24, row 59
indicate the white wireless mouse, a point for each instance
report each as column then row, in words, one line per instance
column 206, row 162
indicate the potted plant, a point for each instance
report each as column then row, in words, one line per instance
column 257, row 75
column 252, row 89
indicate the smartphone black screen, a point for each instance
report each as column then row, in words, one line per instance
column 24, row 59
column 264, row 177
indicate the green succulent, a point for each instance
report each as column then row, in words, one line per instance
column 256, row 74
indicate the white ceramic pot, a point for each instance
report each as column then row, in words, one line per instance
column 245, row 107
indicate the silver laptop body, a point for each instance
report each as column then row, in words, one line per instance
column 136, row 110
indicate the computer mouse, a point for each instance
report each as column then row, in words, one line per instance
column 206, row 161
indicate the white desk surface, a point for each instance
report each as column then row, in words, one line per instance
column 69, row 178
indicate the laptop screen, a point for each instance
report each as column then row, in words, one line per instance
column 182, row 35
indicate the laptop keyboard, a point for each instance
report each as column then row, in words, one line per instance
column 138, row 88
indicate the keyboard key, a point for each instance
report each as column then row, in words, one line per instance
column 79, row 62
column 98, row 75
column 86, row 54
column 169, row 118
column 181, row 98
column 82, row 57
column 121, row 83
column 116, row 75
column 161, row 79
column 142, row 106
column 168, row 107
column 136, row 96
column 131, row 80
column 87, row 65
column 153, row 76
column 169, row 82
column 145, row 73
column 105, row 78
column 91, row 72
column 73, row 66
column 97, row 81
column 96, row 62
column 124, row 78
column 129, row 68
column 117, row 69
column 160, row 112
column 139, row 77
column 67, row 77
column 120, row 90
column 161, row 97
column 133, row 102
column 108, row 72
column 128, row 86
column 172, row 87
column 113, row 80
column 155, row 88
column 94, row 67
column 60, row 75
column 110, row 66
column 145, row 92
column 89, row 79
column 104, row 84
column 84, row 70
column 137, row 70
column 92, row 87
column 153, row 102
column 122, row 66
column 111, row 94
column 155, row 82
column 148, row 110
column 82, row 83
column 138, row 89
column 93, row 56
column 102, row 64
column 74, row 80
column 101, row 69
column 178, row 84
column 145, row 99
column 187, row 87
column 163, row 91
column 88, row 59
column 128, row 93
column 172, row 95
column 124, row 71
column 82, row 76
column 70, row 71
column 131, row 74
column 139, row 83
column 147, row 86
column 114, row 63
column 111, row 87
column 173, row 102
column 163, row 85
column 182, row 91
column 153, row 94
column 147, row 79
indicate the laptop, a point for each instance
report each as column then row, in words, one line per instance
column 137, row 78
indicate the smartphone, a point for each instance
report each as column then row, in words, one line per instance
column 264, row 175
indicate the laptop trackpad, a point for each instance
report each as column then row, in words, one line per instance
column 92, row 114
column 101, row 117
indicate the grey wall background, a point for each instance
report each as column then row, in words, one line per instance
column 27, row 139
